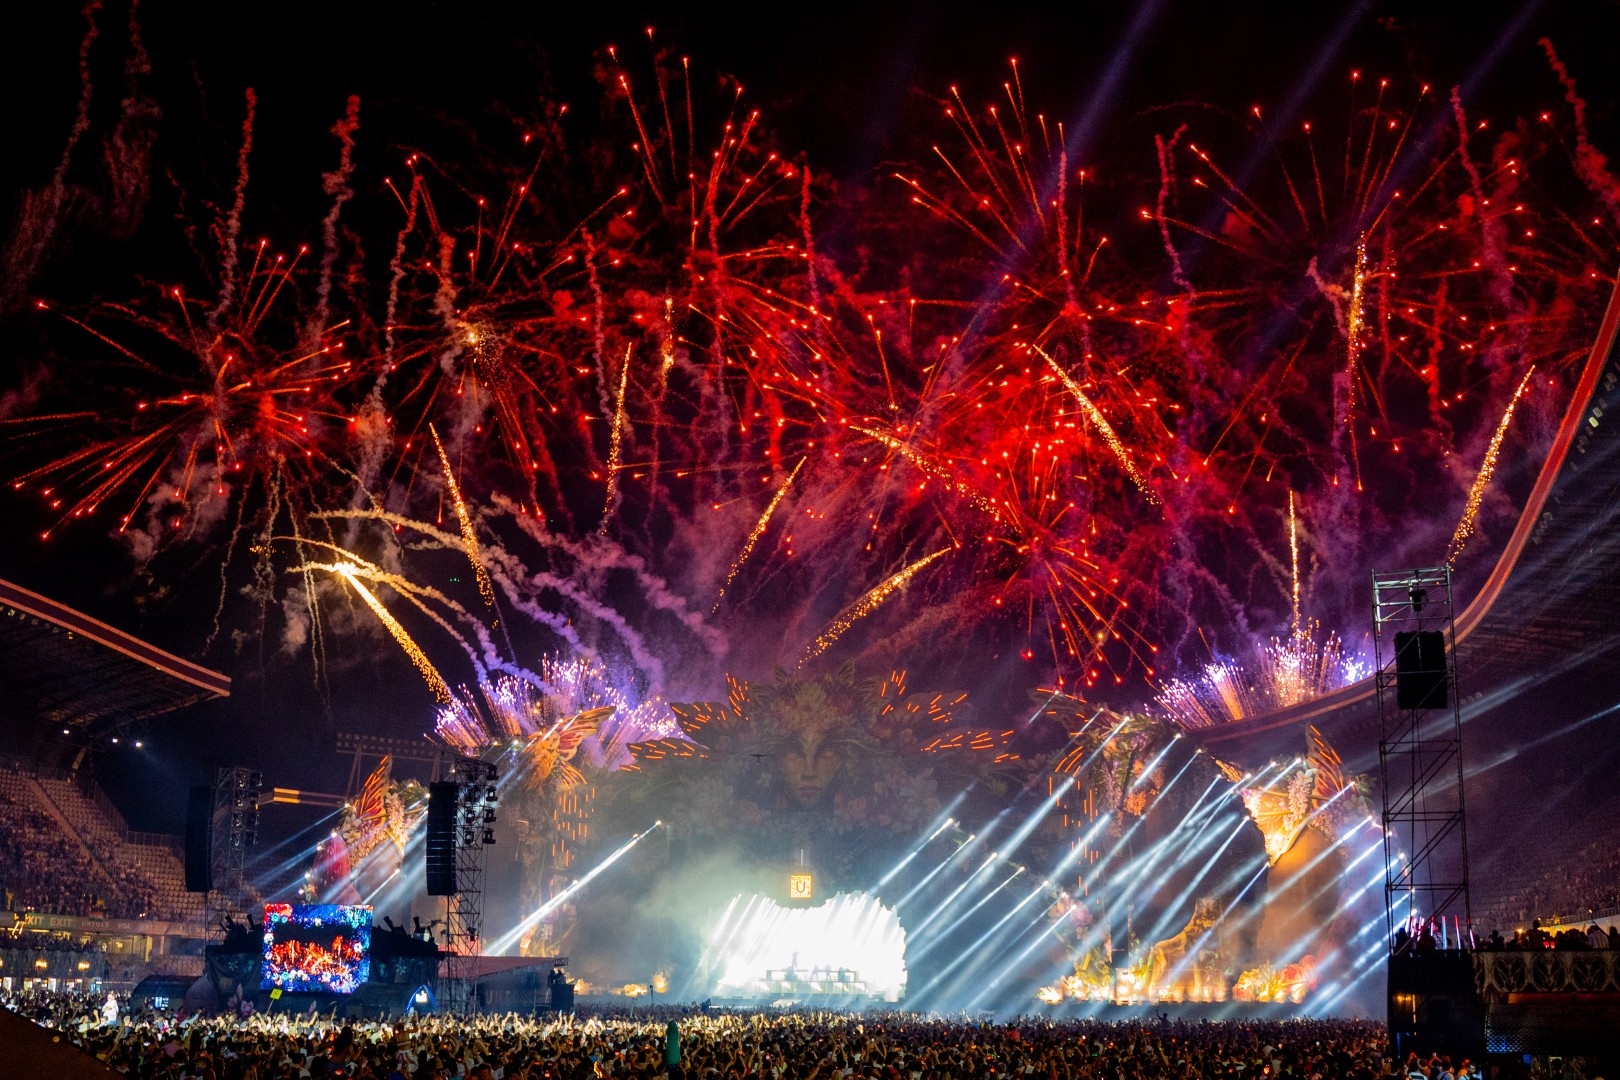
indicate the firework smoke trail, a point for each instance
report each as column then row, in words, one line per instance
column 81, row 118
column 233, row 220
column 1097, row 418
column 867, row 604
column 396, row 274
column 755, row 533
column 430, row 674
column 598, row 558
column 336, row 186
column 1166, row 179
column 43, row 212
column 469, row 536
column 522, row 586
column 1590, row 162
column 616, row 444
column 1487, row 467
column 421, row 597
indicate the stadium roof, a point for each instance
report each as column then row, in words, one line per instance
column 61, row 668
column 1551, row 603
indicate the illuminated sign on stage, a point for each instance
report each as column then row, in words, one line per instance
column 800, row 887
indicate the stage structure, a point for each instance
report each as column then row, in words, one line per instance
column 236, row 828
column 1420, row 755
column 1433, row 1004
column 477, row 797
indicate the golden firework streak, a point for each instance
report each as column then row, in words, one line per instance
column 866, row 605
column 1354, row 323
column 929, row 468
column 469, row 538
column 758, row 531
column 1109, row 435
column 616, row 442
column 1476, row 494
column 430, row 673
column 1293, row 552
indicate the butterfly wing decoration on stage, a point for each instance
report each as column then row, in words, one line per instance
column 366, row 822
column 548, row 755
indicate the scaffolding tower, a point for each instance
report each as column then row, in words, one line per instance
column 1420, row 755
column 235, row 829
column 477, row 798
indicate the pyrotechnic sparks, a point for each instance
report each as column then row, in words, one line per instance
column 616, row 442
column 1283, row 672
column 867, row 604
column 1011, row 384
column 240, row 409
column 755, row 533
column 929, row 468
column 430, row 674
column 1487, row 467
column 469, row 537
column 1293, row 562
column 1101, row 421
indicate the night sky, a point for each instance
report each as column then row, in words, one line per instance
column 837, row 84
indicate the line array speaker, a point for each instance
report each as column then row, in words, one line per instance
column 441, row 837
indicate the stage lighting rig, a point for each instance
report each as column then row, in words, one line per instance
column 476, row 804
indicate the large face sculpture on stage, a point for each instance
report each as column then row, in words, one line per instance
column 794, row 760
column 810, row 731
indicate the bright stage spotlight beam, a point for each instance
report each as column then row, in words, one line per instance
column 1177, row 905
column 973, row 839
column 942, row 935
column 973, row 951
column 511, row 937
column 1097, row 870
column 1023, row 831
column 946, row 822
column 939, row 909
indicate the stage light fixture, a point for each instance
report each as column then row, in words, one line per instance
column 489, row 816
column 489, row 836
column 1419, row 596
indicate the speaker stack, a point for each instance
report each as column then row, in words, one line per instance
column 441, row 837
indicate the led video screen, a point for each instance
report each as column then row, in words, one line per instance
column 316, row 948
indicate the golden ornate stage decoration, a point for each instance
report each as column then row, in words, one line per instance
column 1290, row 983
column 1312, row 791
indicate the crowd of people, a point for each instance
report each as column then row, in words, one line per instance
column 677, row 1044
column 42, row 868
column 1568, row 939
column 17, row 940
column 1589, row 882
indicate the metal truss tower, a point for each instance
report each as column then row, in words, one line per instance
column 477, row 797
column 1420, row 754
column 235, row 829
